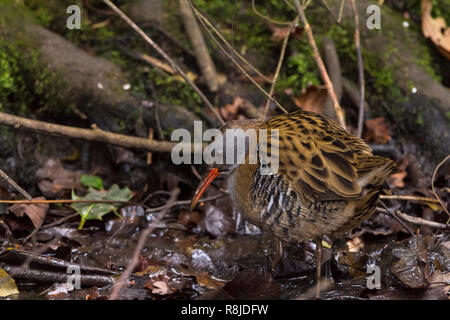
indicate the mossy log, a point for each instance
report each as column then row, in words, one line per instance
column 91, row 85
column 416, row 101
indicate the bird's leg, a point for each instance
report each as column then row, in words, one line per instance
column 278, row 253
column 318, row 255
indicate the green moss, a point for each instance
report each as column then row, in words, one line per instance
column 25, row 84
column 300, row 70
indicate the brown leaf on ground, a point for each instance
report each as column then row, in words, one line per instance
column 377, row 131
column 410, row 268
column 206, row 280
column 55, row 180
column 36, row 212
column 396, row 179
column 312, row 99
column 160, row 287
column 436, row 29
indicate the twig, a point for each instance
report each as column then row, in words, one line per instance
column 280, row 63
column 360, row 70
column 325, row 4
column 417, row 220
column 69, row 201
column 59, row 221
column 320, row 65
column 410, row 198
column 140, row 245
column 341, row 11
column 87, row 134
column 203, row 22
column 266, row 17
column 201, row 52
column 151, row 60
column 159, row 131
column 166, row 57
column 395, row 216
column 432, row 184
column 15, row 185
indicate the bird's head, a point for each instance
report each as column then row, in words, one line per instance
column 234, row 144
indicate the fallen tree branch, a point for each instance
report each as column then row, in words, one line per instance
column 86, row 134
column 198, row 43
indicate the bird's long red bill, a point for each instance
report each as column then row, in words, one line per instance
column 203, row 186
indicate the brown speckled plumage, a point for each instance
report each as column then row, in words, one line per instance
column 327, row 183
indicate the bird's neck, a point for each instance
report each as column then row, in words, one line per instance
column 239, row 186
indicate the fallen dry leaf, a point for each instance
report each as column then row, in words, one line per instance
column 36, row 212
column 377, row 131
column 55, row 180
column 161, row 288
column 7, row 284
column 435, row 29
column 312, row 99
column 396, row 179
column 204, row 279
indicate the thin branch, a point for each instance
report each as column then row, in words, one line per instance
column 86, row 134
column 166, row 57
column 266, row 17
column 432, row 184
column 59, row 201
column 410, row 198
column 280, row 63
column 204, row 60
column 341, row 11
column 203, row 21
column 320, row 64
column 360, row 70
column 417, row 220
column 15, row 185
column 325, row 4
column 395, row 216
column 206, row 21
column 140, row 246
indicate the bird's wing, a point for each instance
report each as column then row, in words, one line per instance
column 317, row 156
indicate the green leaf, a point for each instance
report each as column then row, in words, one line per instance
column 96, row 211
column 92, row 181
